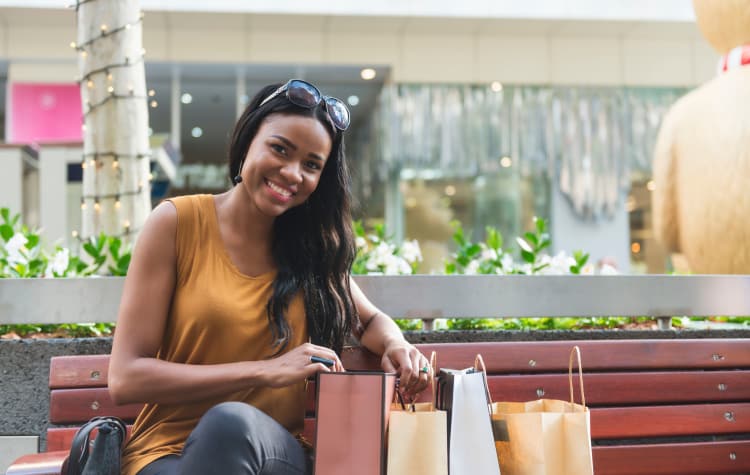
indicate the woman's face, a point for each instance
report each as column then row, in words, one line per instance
column 284, row 162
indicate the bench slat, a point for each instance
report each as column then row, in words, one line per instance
column 602, row 389
column 500, row 357
column 609, row 423
column 75, row 406
column 627, row 388
column 47, row 463
column 609, row 355
column 685, row 459
column 78, row 371
column 668, row 421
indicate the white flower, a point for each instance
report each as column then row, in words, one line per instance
column 472, row 268
column 13, row 248
column 395, row 265
column 507, row 262
column 488, row 255
column 360, row 242
column 588, row 269
column 60, row 262
column 411, row 252
column 607, row 269
column 558, row 265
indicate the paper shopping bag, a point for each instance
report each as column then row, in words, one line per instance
column 418, row 437
column 464, row 394
column 352, row 410
column 546, row 436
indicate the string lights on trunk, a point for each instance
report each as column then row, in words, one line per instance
column 114, row 180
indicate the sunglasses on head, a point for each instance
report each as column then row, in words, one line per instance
column 304, row 94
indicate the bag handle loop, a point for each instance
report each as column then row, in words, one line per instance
column 576, row 351
column 479, row 363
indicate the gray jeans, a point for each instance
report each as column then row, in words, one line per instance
column 238, row 439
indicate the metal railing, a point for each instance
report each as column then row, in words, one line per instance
column 428, row 297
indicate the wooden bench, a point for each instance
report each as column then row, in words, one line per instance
column 657, row 406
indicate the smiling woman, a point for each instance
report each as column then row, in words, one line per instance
column 231, row 299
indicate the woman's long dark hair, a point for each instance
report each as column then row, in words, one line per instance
column 313, row 244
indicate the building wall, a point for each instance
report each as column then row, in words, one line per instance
column 417, row 49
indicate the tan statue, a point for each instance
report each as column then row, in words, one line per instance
column 701, row 202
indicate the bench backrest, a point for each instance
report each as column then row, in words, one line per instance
column 689, row 391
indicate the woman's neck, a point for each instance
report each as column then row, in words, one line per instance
column 237, row 214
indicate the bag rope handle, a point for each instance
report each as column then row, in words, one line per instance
column 479, row 361
column 577, row 352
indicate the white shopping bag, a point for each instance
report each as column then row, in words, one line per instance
column 465, row 396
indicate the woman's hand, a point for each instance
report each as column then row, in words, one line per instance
column 296, row 365
column 412, row 367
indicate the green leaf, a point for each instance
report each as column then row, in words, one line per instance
column 5, row 213
column 494, row 238
column 473, row 250
column 101, row 241
column 531, row 237
column 33, row 240
column 541, row 224
column 359, row 229
column 528, row 256
column 450, row 268
column 524, row 245
column 114, row 247
column 90, row 249
column 6, row 232
column 123, row 263
column 458, row 234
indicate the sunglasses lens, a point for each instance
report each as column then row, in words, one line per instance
column 303, row 94
column 338, row 112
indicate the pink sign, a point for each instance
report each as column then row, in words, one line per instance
column 40, row 113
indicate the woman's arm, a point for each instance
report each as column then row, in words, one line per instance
column 136, row 375
column 383, row 337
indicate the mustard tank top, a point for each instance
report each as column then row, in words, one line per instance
column 217, row 315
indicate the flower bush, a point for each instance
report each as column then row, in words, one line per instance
column 489, row 257
column 378, row 255
column 22, row 254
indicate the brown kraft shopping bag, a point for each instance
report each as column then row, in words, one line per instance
column 352, row 411
column 545, row 436
column 418, row 436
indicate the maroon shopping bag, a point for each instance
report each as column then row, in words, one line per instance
column 352, row 410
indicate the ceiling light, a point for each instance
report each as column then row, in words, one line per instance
column 154, row 104
column 496, row 86
column 186, row 98
column 367, row 74
column 352, row 100
column 151, row 93
column 196, row 132
column 506, row 162
column 450, row 190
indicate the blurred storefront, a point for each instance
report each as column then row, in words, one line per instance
column 480, row 113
